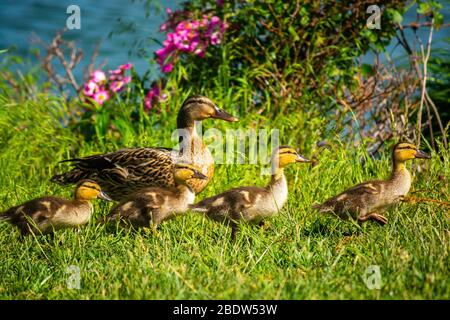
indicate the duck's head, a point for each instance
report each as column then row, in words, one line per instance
column 404, row 151
column 89, row 190
column 182, row 172
column 198, row 108
column 284, row 155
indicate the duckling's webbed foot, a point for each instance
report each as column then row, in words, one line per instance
column 374, row 216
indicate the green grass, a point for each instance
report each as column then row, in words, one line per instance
column 302, row 255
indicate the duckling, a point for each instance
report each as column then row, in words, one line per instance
column 46, row 214
column 156, row 204
column 127, row 171
column 367, row 200
column 252, row 204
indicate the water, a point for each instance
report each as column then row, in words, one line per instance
column 19, row 20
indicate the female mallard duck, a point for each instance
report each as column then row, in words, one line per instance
column 367, row 200
column 156, row 204
column 46, row 214
column 127, row 171
column 252, row 204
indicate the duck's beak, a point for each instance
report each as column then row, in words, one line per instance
column 104, row 196
column 221, row 114
column 421, row 154
column 199, row 175
column 301, row 158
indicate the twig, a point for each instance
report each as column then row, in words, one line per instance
column 425, row 58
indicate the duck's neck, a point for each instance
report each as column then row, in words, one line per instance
column 278, row 188
column 186, row 193
column 278, row 180
column 78, row 197
column 187, row 133
column 400, row 180
column 185, row 123
column 398, row 168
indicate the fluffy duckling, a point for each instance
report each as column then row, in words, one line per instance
column 46, row 214
column 252, row 204
column 156, row 204
column 367, row 200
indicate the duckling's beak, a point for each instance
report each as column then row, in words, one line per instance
column 104, row 196
column 421, row 154
column 221, row 114
column 199, row 175
column 301, row 158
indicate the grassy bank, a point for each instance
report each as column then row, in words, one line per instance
column 302, row 255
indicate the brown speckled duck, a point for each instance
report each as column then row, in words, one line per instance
column 252, row 204
column 367, row 200
column 151, row 206
column 46, row 214
column 127, row 171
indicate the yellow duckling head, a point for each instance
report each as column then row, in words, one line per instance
column 182, row 172
column 285, row 155
column 89, row 190
column 198, row 108
column 404, row 151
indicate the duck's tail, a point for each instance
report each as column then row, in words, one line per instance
column 5, row 216
column 71, row 177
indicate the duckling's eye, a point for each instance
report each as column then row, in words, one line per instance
column 407, row 148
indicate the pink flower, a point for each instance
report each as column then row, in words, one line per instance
column 116, row 71
column 215, row 38
column 98, row 76
column 116, row 86
column 148, row 104
column 167, row 68
column 126, row 66
column 101, row 96
column 154, row 94
column 189, row 36
column 126, row 80
column 90, row 88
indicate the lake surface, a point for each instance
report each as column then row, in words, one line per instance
column 19, row 20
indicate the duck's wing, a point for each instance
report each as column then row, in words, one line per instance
column 138, row 209
column 35, row 210
column 124, row 171
column 122, row 158
column 232, row 200
column 355, row 197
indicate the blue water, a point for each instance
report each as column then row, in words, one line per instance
column 19, row 20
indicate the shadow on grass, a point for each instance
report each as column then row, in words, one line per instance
column 329, row 225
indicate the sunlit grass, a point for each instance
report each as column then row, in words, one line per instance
column 302, row 255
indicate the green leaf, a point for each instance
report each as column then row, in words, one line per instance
column 396, row 16
column 424, row 7
column 293, row 33
column 367, row 70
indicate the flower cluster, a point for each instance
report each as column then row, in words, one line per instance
column 188, row 36
column 152, row 96
column 101, row 88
